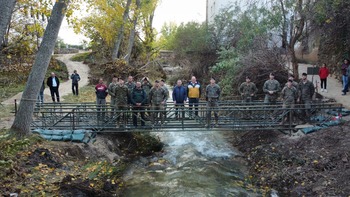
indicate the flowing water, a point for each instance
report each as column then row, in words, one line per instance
column 193, row 164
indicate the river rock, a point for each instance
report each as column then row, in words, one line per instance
column 156, row 166
column 143, row 160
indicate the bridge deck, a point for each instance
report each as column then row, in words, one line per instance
column 233, row 115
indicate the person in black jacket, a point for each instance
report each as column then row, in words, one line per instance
column 53, row 82
column 138, row 99
column 179, row 98
column 75, row 80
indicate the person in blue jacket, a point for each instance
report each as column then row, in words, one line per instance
column 179, row 98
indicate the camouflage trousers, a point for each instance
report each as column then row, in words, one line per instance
column 212, row 105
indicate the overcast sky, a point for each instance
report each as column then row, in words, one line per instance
column 167, row 11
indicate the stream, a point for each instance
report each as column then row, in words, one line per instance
column 192, row 164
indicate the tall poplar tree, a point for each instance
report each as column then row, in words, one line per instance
column 23, row 119
column 6, row 9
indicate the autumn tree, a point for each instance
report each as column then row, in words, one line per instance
column 114, row 26
column 23, row 119
column 6, row 10
column 293, row 16
column 148, row 9
column 26, row 27
column 120, row 33
column 133, row 31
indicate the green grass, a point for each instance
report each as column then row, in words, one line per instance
column 80, row 57
column 6, row 110
column 86, row 94
column 10, row 90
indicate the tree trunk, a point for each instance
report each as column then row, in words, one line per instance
column 121, row 32
column 23, row 119
column 6, row 8
column 294, row 61
column 132, row 32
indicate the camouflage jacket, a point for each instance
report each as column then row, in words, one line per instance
column 111, row 89
column 213, row 91
column 147, row 87
column 121, row 94
column 247, row 89
column 130, row 85
column 289, row 95
column 294, row 84
column 271, row 85
column 157, row 95
column 306, row 90
column 166, row 91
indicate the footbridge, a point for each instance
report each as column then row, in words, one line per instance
column 232, row 115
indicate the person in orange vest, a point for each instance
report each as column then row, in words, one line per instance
column 193, row 94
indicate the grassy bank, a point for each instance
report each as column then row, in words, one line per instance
column 80, row 57
column 86, row 94
column 14, row 77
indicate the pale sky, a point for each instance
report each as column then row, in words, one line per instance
column 167, row 11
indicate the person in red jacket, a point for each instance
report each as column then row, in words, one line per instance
column 101, row 91
column 323, row 73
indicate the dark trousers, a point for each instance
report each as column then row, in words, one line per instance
column 193, row 102
column 101, row 108
column 137, row 110
column 54, row 91
column 324, row 83
column 179, row 107
column 75, row 89
column 41, row 97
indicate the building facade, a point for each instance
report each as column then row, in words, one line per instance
column 214, row 7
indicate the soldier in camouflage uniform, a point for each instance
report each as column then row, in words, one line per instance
column 121, row 99
column 247, row 90
column 111, row 89
column 294, row 83
column 271, row 88
column 157, row 98
column 131, row 86
column 289, row 94
column 212, row 91
column 146, row 85
column 306, row 90
column 162, row 85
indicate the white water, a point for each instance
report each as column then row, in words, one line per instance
column 197, row 164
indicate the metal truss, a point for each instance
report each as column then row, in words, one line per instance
column 232, row 115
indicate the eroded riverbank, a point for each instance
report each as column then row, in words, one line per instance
column 316, row 164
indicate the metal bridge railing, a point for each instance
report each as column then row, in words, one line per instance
column 232, row 115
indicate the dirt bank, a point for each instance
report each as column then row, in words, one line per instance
column 316, row 164
column 35, row 167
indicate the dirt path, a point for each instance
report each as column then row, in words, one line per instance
column 66, row 87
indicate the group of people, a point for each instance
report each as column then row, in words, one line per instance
column 53, row 83
column 291, row 93
column 144, row 98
